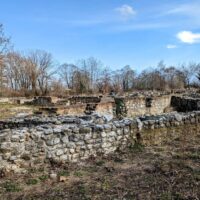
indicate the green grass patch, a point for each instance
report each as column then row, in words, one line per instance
column 63, row 173
column 136, row 147
column 100, row 162
column 11, row 187
column 32, row 181
column 43, row 178
column 78, row 174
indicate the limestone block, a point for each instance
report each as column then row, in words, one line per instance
column 72, row 151
column 59, row 152
column 83, row 130
column 15, row 138
column 103, row 134
column 87, row 136
column 64, row 157
column 65, row 139
column 53, row 141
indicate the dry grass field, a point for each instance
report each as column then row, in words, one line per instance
column 170, row 171
column 11, row 110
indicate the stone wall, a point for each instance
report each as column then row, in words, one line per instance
column 137, row 106
column 185, row 104
column 155, row 130
column 84, row 99
column 78, row 105
column 44, row 101
column 32, row 141
column 105, row 108
column 60, row 140
column 16, row 100
column 4, row 100
column 78, row 109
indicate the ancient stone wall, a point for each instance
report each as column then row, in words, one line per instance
column 84, row 99
column 4, row 100
column 105, row 108
column 133, row 106
column 77, row 110
column 16, row 100
column 185, row 104
column 137, row 106
column 33, row 141
column 44, row 101
column 22, row 144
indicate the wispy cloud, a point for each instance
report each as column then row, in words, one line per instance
column 188, row 37
column 183, row 15
column 126, row 11
column 73, row 22
column 118, row 19
column 188, row 13
column 138, row 26
column 190, row 9
column 171, row 46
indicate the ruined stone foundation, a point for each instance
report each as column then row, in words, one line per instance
column 29, row 141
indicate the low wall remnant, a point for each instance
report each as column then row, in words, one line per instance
column 34, row 140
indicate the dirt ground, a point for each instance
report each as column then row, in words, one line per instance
column 167, row 172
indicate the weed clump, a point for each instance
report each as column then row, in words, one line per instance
column 43, row 178
column 136, row 147
column 11, row 187
column 32, row 181
column 63, row 173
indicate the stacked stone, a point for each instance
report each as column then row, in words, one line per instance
column 69, row 142
column 185, row 104
column 72, row 139
column 168, row 120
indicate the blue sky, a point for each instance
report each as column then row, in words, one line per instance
column 118, row 32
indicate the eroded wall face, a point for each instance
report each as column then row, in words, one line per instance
column 105, row 109
column 139, row 106
column 72, row 110
column 185, row 104
column 165, row 135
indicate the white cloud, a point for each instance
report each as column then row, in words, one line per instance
column 188, row 37
column 126, row 11
column 171, row 46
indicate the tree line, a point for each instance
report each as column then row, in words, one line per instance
column 35, row 73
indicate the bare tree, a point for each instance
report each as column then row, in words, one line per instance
column 41, row 70
column 66, row 72
column 81, row 81
column 57, row 88
column 18, row 73
column 161, row 78
column 189, row 72
column 91, row 67
column 94, row 66
column 29, row 75
column 104, row 82
column 174, row 78
column 128, row 76
column 4, row 41
column 117, row 81
column 4, row 44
